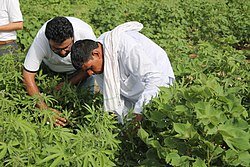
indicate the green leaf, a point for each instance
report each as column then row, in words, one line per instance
column 48, row 158
column 199, row 163
column 207, row 114
column 143, row 135
column 86, row 161
column 180, row 109
column 173, row 158
column 56, row 162
column 3, row 148
column 244, row 158
column 185, row 131
column 234, row 137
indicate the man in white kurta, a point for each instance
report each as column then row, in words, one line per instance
column 134, row 67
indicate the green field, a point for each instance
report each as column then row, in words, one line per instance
column 203, row 120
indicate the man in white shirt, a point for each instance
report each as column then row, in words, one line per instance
column 11, row 19
column 129, row 68
column 52, row 46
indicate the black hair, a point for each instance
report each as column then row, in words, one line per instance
column 81, row 52
column 59, row 29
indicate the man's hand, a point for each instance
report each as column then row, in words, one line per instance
column 138, row 119
column 32, row 89
column 59, row 86
column 57, row 120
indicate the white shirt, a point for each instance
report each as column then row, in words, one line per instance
column 143, row 66
column 9, row 12
column 40, row 49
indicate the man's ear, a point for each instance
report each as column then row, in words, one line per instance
column 97, row 52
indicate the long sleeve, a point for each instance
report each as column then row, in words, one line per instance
column 147, row 74
column 144, row 67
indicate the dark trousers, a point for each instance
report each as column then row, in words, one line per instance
column 9, row 48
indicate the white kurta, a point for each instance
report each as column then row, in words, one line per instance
column 40, row 49
column 143, row 67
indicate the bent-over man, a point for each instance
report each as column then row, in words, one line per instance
column 51, row 48
column 129, row 68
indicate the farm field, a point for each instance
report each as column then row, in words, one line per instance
column 201, row 121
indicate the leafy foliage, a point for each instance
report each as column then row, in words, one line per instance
column 26, row 138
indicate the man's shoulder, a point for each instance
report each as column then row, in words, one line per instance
column 129, row 38
column 76, row 21
column 82, row 30
column 40, row 36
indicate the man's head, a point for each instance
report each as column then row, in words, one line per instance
column 88, row 56
column 59, row 31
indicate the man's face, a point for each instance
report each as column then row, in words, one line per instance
column 93, row 66
column 61, row 49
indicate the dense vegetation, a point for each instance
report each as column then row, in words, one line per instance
column 203, row 120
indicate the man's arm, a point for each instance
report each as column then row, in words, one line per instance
column 12, row 26
column 75, row 79
column 80, row 75
column 32, row 89
column 141, row 67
